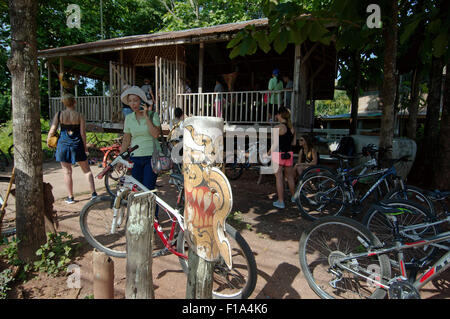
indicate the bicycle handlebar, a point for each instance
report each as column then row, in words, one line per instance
column 124, row 155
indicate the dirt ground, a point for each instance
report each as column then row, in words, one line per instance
column 272, row 234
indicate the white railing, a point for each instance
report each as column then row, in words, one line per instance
column 234, row 107
column 245, row 107
column 102, row 109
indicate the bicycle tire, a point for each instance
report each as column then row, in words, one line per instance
column 381, row 226
column 100, row 209
column 313, row 195
column 240, row 249
column 317, row 169
column 113, row 179
column 339, row 236
column 234, row 170
column 413, row 193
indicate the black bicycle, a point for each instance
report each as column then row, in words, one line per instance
column 324, row 194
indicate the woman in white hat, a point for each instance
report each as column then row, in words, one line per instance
column 142, row 127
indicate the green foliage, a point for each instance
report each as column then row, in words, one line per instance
column 183, row 15
column 339, row 105
column 237, row 221
column 5, row 280
column 55, row 254
column 9, row 252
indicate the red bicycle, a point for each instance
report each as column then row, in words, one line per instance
column 103, row 222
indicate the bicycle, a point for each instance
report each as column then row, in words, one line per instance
column 245, row 160
column 103, row 223
column 389, row 220
column 114, row 178
column 324, row 194
column 341, row 258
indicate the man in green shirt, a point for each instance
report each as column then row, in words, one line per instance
column 275, row 98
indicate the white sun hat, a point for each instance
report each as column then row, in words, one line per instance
column 135, row 90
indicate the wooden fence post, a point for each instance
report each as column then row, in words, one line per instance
column 139, row 234
column 103, row 276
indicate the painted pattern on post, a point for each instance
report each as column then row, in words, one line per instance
column 207, row 191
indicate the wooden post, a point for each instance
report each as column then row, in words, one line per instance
column 200, row 274
column 103, row 276
column 201, row 57
column 139, row 235
column 208, row 202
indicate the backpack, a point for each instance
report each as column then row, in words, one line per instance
column 346, row 146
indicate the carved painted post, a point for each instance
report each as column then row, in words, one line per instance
column 208, row 201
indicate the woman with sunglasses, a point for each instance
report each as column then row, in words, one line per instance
column 307, row 156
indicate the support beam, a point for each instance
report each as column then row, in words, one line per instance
column 310, row 52
column 61, row 70
column 201, row 58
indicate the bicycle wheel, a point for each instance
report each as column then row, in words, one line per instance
column 234, row 170
column 240, row 281
column 317, row 169
column 325, row 243
column 409, row 214
column 95, row 154
column 113, row 179
column 414, row 194
column 96, row 219
column 4, row 163
column 319, row 196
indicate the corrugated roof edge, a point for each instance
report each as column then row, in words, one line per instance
column 129, row 42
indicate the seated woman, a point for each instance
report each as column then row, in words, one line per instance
column 308, row 155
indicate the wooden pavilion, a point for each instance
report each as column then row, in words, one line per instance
column 196, row 56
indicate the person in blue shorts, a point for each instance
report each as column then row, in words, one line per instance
column 71, row 147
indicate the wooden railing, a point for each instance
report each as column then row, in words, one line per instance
column 244, row 107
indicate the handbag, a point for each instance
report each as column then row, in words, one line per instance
column 53, row 141
column 161, row 161
column 285, row 155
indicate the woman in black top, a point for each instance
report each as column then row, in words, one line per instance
column 308, row 155
column 71, row 146
column 285, row 156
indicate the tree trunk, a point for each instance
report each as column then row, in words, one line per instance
column 413, row 108
column 442, row 172
column 355, row 93
column 389, row 89
column 26, row 128
column 430, row 143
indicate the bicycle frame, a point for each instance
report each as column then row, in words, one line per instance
column 437, row 268
column 130, row 184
